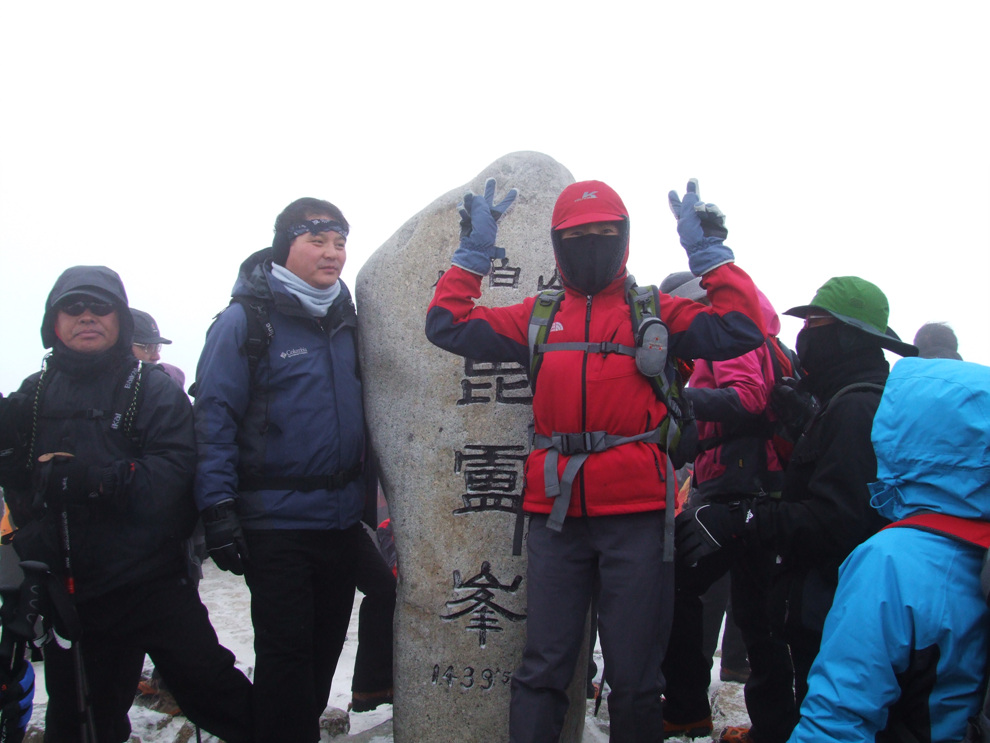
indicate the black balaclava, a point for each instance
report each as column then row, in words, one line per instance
column 828, row 350
column 589, row 263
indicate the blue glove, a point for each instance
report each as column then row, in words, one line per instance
column 16, row 701
column 702, row 229
column 478, row 229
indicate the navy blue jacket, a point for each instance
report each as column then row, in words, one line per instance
column 300, row 416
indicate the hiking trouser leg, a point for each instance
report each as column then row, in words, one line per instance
column 559, row 578
column 334, row 600
column 200, row 672
column 769, row 691
column 804, row 648
column 713, row 608
column 373, row 662
column 686, row 668
column 111, row 674
column 734, row 656
column 634, row 618
column 287, row 569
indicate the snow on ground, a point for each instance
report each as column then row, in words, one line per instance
column 229, row 602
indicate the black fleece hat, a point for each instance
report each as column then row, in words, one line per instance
column 96, row 282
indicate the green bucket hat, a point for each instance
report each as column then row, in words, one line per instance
column 860, row 304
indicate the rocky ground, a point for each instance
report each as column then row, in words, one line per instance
column 228, row 600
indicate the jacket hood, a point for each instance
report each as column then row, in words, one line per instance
column 770, row 316
column 97, row 282
column 931, row 435
column 251, row 276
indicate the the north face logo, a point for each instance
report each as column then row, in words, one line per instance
column 556, row 326
column 588, row 195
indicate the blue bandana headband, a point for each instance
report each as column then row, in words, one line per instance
column 316, row 226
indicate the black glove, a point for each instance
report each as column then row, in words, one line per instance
column 67, row 480
column 64, row 479
column 225, row 538
column 706, row 529
column 793, row 407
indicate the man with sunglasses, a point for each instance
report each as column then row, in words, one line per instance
column 824, row 510
column 148, row 340
column 99, row 486
column 280, row 483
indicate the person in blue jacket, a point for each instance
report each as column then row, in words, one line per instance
column 904, row 650
column 279, row 479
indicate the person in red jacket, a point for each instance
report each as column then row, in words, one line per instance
column 598, row 511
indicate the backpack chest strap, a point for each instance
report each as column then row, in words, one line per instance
column 579, row 446
column 603, row 348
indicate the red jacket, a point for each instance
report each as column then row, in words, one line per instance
column 579, row 391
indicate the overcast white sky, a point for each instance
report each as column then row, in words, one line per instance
column 162, row 139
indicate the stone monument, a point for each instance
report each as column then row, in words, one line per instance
column 451, row 438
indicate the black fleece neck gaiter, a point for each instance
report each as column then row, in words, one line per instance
column 589, row 263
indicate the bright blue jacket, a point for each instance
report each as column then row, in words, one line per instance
column 300, row 416
column 905, row 643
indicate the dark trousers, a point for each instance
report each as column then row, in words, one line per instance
column 633, row 622
column 302, row 592
column 373, row 577
column 165, row 619
column 769, row 691
column 716, row 605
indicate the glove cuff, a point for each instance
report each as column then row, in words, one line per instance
column 710, row 255
column 460, row 264
column 220, row 511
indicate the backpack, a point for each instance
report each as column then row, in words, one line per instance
column 260, row 332
column 677, row 434
column 977, row 534
column 665, row 373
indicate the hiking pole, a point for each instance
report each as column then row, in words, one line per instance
column 87, row 725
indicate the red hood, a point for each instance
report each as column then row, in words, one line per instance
column 585, row 202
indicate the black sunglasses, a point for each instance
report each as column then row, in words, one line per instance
column 100, row 309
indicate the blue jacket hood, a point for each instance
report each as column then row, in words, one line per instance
column 931, row 435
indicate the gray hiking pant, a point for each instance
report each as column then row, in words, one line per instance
column 634, row 617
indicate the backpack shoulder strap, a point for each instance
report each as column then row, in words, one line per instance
column 644, row 302
column 540, row 321
column 969, row 531
column 259, row 329
column 783, row 359
column 855, row 387
column 973, row 532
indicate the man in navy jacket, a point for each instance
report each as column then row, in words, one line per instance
column 279, row 481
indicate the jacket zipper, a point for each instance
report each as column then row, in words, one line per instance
column 584, row 397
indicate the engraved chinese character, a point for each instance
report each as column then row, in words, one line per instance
column 511, row 383
column 503, row 274
column 492, row 476
column 480, row 604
